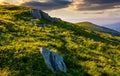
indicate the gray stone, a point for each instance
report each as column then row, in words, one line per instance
column 2, row 33
column 53, row 60
column 42, row 25
column 39, row 14
column 36, row 13
column 32, row 21
column 50, row 47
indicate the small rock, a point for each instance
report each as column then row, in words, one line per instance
column 2, row 33
column 42, row 25
column 32, row 21
column 53, row 60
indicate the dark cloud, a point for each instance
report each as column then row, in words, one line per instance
column 101, row 1
column 94, row 4
column 48, row 5
column 75, row 5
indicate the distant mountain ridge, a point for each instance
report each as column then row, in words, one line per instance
column 94, row 27
column 115, row 26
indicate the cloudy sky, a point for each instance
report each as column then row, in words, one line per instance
column 97, row 11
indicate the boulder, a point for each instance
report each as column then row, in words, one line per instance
column 40, row 14
column 36, row 13
column 53, row 60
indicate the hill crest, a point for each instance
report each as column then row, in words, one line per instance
column 85, row 52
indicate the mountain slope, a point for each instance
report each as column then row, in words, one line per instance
column 93, row 27
column 115, row 26
column 85, row 53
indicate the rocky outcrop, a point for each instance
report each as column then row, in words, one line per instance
column 53, row 60
column 47, row 17
column 36, row 13
column 40, row 14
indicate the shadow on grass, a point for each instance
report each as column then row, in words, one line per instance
column 72, row 62
column 32, row 64
column 78, row 31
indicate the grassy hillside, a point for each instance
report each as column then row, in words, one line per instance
column 85, row 52
column 93, row 27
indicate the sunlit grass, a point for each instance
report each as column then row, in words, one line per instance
column 85, row 52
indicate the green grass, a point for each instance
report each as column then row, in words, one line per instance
column 85, row 52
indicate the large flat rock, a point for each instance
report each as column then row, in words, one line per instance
column 40, row 14
column 53, row 60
